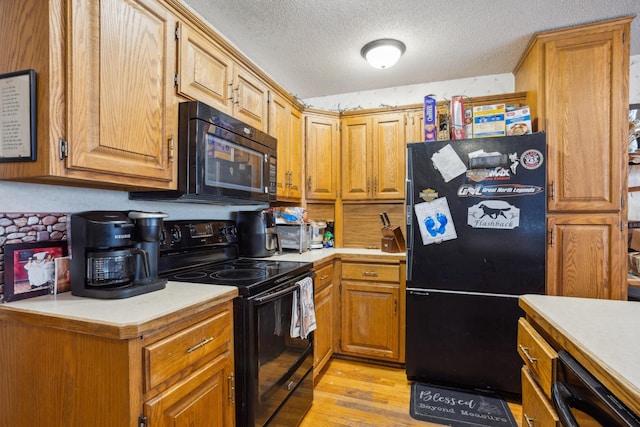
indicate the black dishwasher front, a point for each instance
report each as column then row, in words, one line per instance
column 581, row 400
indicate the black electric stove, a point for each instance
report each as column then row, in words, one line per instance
column 206, row 251
column 273, row 366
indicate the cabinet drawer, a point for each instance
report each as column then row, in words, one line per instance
column 536, row 409
column 324, row 276
column 538, row 355
column 188, row 349
column 373, row 272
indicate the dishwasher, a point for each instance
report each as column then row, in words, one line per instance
column 581, row 400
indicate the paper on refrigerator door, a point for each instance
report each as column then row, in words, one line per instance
column 435, row 221
column 448, row 163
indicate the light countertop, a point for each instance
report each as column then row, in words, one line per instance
column 603, row 335
column 319, row 255
column 122, row 317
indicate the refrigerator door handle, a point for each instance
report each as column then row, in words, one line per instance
column 409, row 216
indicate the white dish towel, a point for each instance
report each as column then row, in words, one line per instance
column 303, row 315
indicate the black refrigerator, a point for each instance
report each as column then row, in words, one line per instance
column 476, row 240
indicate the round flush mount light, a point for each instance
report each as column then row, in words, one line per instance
column 383, row 53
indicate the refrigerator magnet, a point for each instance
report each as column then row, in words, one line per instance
column 496, row 214
column 435, row 221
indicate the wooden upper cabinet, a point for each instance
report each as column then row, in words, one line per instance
column 121, row 111
column 250, row 98
column 204, row 70
column 285, row 124
column 107, row 113
column 415, row 126
column 208, row 74
column 322, row 147
column 356, row 152
column 373, row 157
column 578, row 80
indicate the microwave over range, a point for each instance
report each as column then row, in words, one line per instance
column 221, row 160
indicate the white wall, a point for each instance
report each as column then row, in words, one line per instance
column 414, row 94
column 21, row 197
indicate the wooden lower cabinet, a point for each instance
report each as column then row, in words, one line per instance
column 372, row 310
column 537, row 410
column 204, row 399
column 538, row 374
column 178, row 373
column 324, row 308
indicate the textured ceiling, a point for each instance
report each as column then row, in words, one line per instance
column 312, row 47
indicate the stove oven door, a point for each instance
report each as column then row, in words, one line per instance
column 282, row 363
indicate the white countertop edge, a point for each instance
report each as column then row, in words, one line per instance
column 606, row 331
column 125, row 311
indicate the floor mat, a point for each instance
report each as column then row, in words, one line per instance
column 459, row 408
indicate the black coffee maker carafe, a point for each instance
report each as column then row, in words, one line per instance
column 115, row 254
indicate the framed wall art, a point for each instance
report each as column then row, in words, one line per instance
column 30, row 268
column 18, row 116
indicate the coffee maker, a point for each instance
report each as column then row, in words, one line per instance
column 114, row 254
column 257, row 235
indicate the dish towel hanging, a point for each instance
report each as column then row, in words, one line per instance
column 302, row 311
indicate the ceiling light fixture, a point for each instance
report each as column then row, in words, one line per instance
column 383, row 53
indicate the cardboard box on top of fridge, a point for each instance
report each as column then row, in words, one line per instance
column 430, row 116
column 634, row 244
column 518, row 121
column 489, row 120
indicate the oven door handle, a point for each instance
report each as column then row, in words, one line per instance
column 276, row 295
column 564, row 400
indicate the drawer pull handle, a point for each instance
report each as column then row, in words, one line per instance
column 202, row 344
column 530, row 421
column 370, row 273
column 325, row 277
column 525, row 350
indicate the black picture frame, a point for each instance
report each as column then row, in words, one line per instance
column 18, row 116
column 21, row 281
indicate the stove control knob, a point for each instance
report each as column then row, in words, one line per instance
column 176, row 234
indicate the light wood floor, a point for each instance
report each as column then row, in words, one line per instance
column 358, row 394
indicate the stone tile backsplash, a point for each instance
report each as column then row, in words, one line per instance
column 17, row 227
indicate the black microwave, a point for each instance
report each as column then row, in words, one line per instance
column 220, row 160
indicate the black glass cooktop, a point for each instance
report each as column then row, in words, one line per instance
column 249, row 275
column 206, row 251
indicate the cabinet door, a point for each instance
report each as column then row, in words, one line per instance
column 356, row 158
column 121, row 57
column 415, row 127
column 537, row 410
column 322, row 157
column 295, row 154
column 278, row 128
column 583, row 258
column 204, row 70
column 206, row 399
column 388, row 152
column 250, row 98
column 323, row 338
column 285, row 124
column 585, row 125
column 370, row 320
